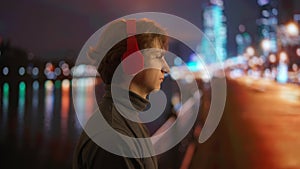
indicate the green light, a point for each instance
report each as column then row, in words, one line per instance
column 5, row 102
column 57, row 84
column 5, row 89
column 5, row 96
column 21, row 103
column 22, row 90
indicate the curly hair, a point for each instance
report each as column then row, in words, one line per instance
column 150, row 32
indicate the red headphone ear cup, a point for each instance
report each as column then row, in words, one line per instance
column 132, row 59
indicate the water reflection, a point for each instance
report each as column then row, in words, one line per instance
column 38, row 121
column 21, row 111
column 49, row 105
column 34, row 112
column 83, row 98
column 65, row 104
column 5, row 100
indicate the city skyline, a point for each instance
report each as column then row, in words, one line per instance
column 52, row 29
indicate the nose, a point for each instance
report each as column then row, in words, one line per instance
column 165, row 66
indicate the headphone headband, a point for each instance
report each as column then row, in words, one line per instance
column 131, row 27
column 133, row 64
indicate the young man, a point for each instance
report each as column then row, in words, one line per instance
column 147, row 75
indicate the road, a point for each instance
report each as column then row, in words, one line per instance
column 260, row 128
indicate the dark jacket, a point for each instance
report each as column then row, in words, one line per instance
column 88, row 155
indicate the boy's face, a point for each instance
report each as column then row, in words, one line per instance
column 155, row 67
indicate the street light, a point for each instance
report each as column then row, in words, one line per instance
column 292, row 29
column 288, row 34
column 283, row 57
column 250, row 51
column 298, row 51
column 266, row 46
column 282, row 68
column 272, row 58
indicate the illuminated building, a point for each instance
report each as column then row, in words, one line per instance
column 268, row 23
column 213, row 46
column 243, row 40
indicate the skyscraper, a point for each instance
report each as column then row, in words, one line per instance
column 268, row 23
column 213, row 46
column 243, row 40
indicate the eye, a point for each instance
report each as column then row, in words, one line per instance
column 159, row 56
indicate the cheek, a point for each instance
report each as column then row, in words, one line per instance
column 153, row 73
column 153, row 63
column 143, row 77
column 149, row 76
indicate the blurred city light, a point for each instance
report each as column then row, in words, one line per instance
column 282, row 75
column 5, row 90
column 5, row 102
column 49, row 107
column 295, row 67
column 175, row 73
column 272, row 58
column 298, row 51
column 250, row 51
column 57, row 71
column 57, row 84
column 177, row 61
column 5, row 71
column 65, row 84
column 21, row 109
column 65, row 68
column 84, row 71
column 292, row 29
column 21, row 71
column 22, row 88
column 262, row 2
column 35, row 71
column 49, row 85
column 283, row 57
column 49, row 71
column 35, row 85
column 266, row 44
column 65, row 107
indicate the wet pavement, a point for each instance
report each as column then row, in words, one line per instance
column 260, row 128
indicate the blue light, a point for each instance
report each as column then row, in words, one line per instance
column 275, row 11
column 35, row 71
column 177, row 61
column 5, row 71
column 282, row 76
column 213, row 46
column 35, row 85
column 57, row 71
column 194, row 66
column 21, row 71
column 262, row 2
column 5, row 101
column 21, row 107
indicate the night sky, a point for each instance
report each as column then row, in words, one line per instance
column 54, row 28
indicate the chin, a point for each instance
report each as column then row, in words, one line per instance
column 156, row 89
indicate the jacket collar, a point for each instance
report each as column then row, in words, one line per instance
column 137, row 101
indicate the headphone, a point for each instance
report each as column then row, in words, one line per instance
column 135, row 63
